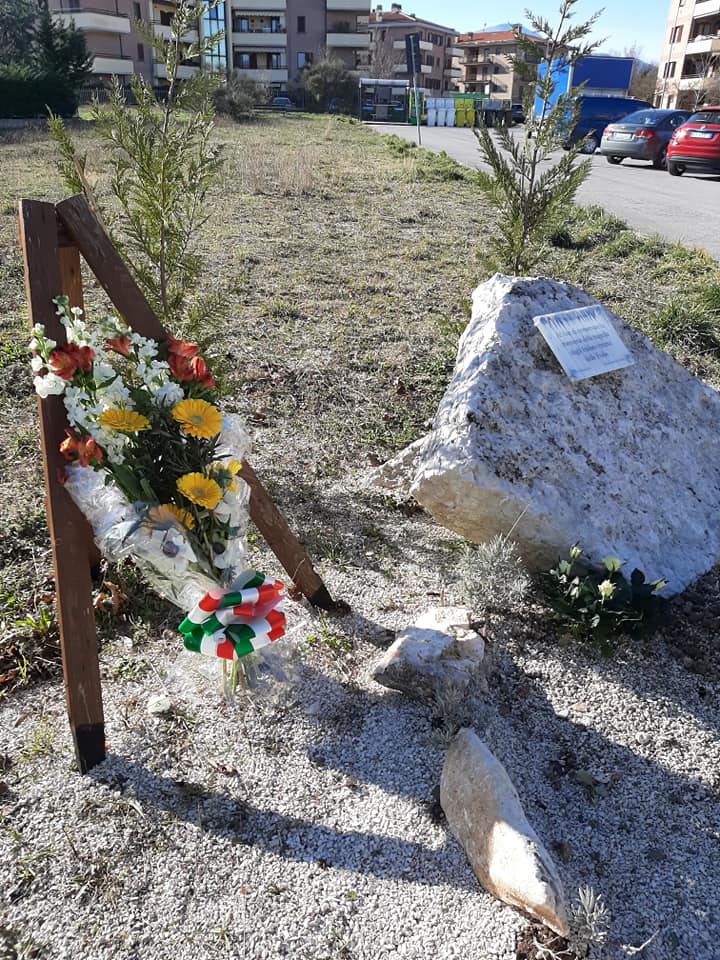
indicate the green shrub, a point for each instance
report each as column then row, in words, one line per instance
column 239, row 98
column 27, row 92
column 600, row 603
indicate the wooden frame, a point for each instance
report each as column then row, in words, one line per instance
column 52, row 237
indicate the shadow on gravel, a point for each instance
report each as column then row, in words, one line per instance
column 385, row 857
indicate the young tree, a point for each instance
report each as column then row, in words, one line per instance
column 707, row 92
column 383, row 60
column 327, row 80
column 533, row 192
column 163, row 163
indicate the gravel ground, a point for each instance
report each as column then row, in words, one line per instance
column 300, row 820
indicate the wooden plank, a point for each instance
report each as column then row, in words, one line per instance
column 284, row 544
column 109, row 267
column 73, row 588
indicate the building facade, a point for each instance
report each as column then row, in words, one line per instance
column 439, row 56
column 689, row 74
column 267, row 41
column 487, row 69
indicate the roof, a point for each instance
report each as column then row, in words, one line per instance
column 495, row 36
column 400, row 19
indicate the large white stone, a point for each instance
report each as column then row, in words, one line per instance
column 625, row 464
column 484, row 812
column 437, row 649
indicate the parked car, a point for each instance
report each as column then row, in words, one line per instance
column 596, row 113
column 696, row 144
column 517, row 114
column 282, row 103
column 643, row 135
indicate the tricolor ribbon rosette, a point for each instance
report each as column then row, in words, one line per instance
column 232, row 623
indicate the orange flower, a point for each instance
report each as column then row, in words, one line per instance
column 119, row 344
column 181, row 348
column 82, row 450
column 201, row 373
column 64, row 361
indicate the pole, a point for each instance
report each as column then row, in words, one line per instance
column 415, row 93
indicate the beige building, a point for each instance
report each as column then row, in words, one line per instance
column 439, row 56
column 689, row 72
column 268, row 41
column 487, row 69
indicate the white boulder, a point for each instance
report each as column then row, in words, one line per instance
column 625, row 464
column 484, row 812
column 439, row 648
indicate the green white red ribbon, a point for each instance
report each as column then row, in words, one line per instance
column 230, row 624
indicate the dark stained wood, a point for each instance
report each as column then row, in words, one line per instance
column 283, row 542
column 76, row 619
column 108, row 266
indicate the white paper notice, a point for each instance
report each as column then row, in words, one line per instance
column 584, row 341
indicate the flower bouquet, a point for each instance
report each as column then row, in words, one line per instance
column 156, row 469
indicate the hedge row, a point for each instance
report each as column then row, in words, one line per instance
column 28, row 92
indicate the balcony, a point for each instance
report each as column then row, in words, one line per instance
column 706, row 8
column 183, row 73
column 402, row 68
column 701, row 45
column 454, row 51
column 424, row 45
column 263, row 76
column 247, row 39
column 346, row 5
column 99, row 21
column 348, row 40
column 690, row 83
column 116, row 66
column 161, row 30
column 258, row 6
column 452, row 72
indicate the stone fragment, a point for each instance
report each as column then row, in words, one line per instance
column 439, row 648
column 626, row 464
column 484, row 812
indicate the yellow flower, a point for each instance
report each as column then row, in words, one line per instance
column 198, row 418
column 234, row 466
column 181, row 514
column 200, row 490
column 124, row 421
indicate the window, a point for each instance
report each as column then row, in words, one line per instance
column 166, row 18
column 669, row 70
column 300, row 26
column 275, row 61
column 676, row 35
column 212, row 25
column 243, row 61
column 141, row 52
column 136, row 11
column 304, row 60
column 276, row 25
column 241, row 25
column 73, row 4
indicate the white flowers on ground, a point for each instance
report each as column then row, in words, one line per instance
column 49, row 385
column 606, row 589
column 168, row 394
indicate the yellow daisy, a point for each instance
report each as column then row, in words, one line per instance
column 197, row 418
column 124, row 421
column 181, row 514
column 234, row 466
column 200, row 490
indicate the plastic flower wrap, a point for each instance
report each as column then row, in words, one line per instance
column 157, row 470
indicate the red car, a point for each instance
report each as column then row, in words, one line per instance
column 696, row 144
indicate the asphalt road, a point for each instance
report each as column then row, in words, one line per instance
column 682, row 209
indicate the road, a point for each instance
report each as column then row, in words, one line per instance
column 681, row 209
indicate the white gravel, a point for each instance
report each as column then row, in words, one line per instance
column 299, row 821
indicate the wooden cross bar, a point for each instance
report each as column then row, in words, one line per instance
column 52, row 239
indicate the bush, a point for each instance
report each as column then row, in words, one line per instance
column 239, row 98
column 492, row 575
column 27, row 92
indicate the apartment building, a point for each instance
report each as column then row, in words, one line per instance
column 689, row 72
column 439, row 66
column 268, row 41
column 487, row 69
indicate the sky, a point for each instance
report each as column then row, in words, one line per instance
column 624, row 22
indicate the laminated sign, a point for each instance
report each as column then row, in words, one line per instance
column 584, row 341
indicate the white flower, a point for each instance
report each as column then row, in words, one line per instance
column 606, row 589
column 103, row 371
column 49, row 385
column 37, row 363
column 34, row 344
column 169, row 394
